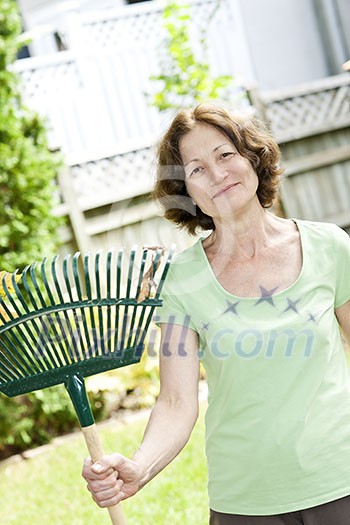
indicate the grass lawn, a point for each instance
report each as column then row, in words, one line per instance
column 48, row 489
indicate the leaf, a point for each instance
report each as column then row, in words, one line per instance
column 3, row 315
column 7, row 278
column 148, row 277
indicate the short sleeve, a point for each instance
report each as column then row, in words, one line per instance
column 173, row 309
column 342, row 253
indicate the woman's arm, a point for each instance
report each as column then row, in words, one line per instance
column 168, row 429
column 343, row 315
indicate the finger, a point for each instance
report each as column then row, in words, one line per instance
column 109, row 483
column 86, row 471
column 109, row 490
column 97, row 473
column 110, row 502
column 88, row 474
column 108, row 497
column 113, row 461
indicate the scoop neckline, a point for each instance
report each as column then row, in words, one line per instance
column 215, row 281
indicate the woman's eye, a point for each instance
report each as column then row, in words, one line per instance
column 195, row 171
column 226, row 154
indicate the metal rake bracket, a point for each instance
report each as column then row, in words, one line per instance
column 77, row 317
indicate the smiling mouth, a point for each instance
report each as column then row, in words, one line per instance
column 224, row 190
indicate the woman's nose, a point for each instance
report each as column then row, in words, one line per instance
column 217, row 174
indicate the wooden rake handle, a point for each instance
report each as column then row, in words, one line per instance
column 95, row 448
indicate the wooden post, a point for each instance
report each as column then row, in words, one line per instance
column 256, row 100
column 76, row 216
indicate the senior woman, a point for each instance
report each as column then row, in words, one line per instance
column 260, row 301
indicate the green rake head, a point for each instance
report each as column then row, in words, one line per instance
column 67, row 320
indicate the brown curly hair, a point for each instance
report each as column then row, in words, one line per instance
column 251, row 140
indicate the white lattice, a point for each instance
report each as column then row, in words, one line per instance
column 128, row 27
column 94, row 95
column 309, row 111
column 126, row 31
column 114, row 178
column 48, row 76
column 53, row 88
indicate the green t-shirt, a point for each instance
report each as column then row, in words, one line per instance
column 278, row 417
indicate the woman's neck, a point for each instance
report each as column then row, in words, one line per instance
column 244, row 236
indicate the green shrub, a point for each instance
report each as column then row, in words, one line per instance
column 34, row 419
column 28, row 170
column 28, row 232
column 29, row 419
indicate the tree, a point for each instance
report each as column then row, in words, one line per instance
column 28, row 170
column 185, row 78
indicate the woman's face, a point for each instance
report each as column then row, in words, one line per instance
column 218, row 179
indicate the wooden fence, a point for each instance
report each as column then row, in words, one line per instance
column 311, row 123
column 312, row 126
column 94, row 99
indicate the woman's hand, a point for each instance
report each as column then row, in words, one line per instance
column 112, row 479
column 168, row 429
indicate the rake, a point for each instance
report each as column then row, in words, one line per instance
column 63, row 321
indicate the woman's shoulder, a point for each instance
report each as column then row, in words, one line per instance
column 186, row 265
column 318, row 230
column 188, row 255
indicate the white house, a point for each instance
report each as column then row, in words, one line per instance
column 93, row 93
column 284, row 42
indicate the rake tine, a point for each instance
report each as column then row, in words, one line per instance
column 118, row 283
column 18, row 328
column 128, row 294
column 141, row 273
column 36, row 285
column 16, row 357
column 6, row 375
column 5, row 308
column 76, row 319
column 130, row 273
column 2, row 317
column 52, row 302
column 14, row 344
column 119, row 269
column 18, row 293
column 109, row 325
column 165, row 271
column 29, row 289
column 46, row 284
column 46, row 327
column 101, row 348
column 30, row 268
column 80, row 297
column 75, row 351
column 93, row 348
column 10, row 372
column 156, row 260
column 68, row 350
column 31, row 322
column 46, row 356
column 142, row 269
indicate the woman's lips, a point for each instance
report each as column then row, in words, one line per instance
column 225, row 189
